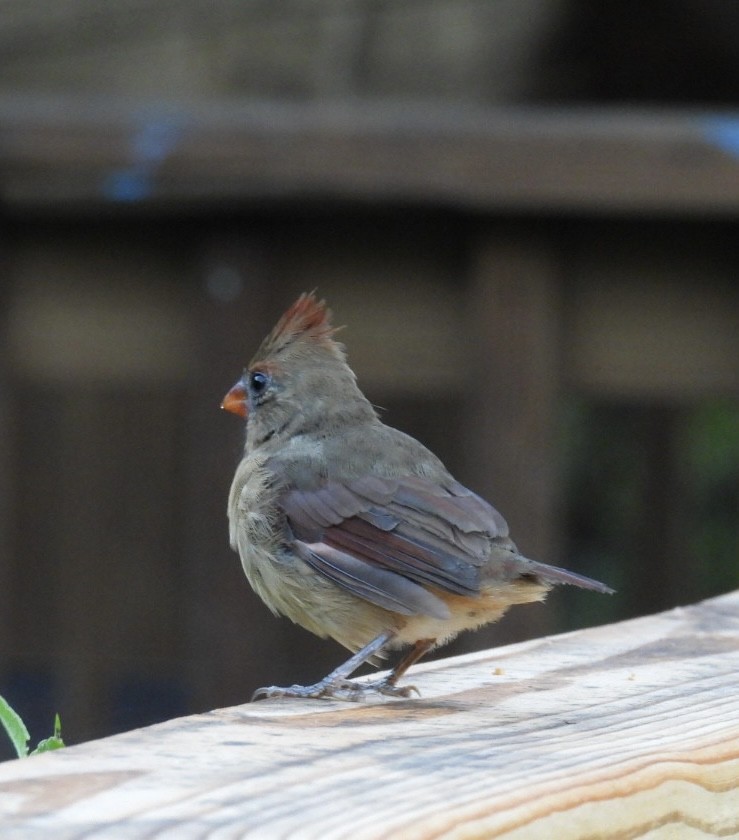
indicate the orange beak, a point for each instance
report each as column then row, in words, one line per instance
column 235, row 400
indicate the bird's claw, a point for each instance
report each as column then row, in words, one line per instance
column 388, row 688
column 337, row 690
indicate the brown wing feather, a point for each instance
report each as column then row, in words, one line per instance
column 392, row 591
column 414, row 558
column 385, row 539
column 410, row 528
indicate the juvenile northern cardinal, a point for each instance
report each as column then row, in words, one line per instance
column 353, row 529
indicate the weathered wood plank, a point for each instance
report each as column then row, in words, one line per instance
column 628, row 730
column 82, row 152
column 513, row 319
column 649, row 317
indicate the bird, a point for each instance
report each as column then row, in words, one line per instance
column 353, row 529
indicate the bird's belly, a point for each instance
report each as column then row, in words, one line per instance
column 467, row 613
column 291, row 588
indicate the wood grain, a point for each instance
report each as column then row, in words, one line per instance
column 623, row 731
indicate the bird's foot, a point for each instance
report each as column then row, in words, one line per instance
column 337, row 689
column 387, row 687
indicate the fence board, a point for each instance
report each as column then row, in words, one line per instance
column 94, row 151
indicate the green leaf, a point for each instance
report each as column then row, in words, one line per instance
column 54, row 742
column 15, row 728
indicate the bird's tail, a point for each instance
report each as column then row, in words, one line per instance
column 554, row 575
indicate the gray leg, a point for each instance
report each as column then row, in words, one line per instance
column 336, row 684
column 388, row 685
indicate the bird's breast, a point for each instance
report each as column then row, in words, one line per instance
column 254, row 526
column 279, row 577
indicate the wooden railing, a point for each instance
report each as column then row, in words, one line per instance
column 63, row 154
column 627, row 730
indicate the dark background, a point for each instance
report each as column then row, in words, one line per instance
column 573, row 357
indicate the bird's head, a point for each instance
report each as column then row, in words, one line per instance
column 298, row 381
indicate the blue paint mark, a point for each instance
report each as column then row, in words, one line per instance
column 150, row 145
column 127, row 185
column 723, row 132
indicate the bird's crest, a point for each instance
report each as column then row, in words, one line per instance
column 307, row 319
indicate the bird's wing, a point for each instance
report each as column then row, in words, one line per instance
column 385, row 538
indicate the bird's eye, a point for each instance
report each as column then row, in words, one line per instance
column 258, row 382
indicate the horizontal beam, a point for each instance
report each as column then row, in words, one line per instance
column 70, row 153
column 634, row 726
